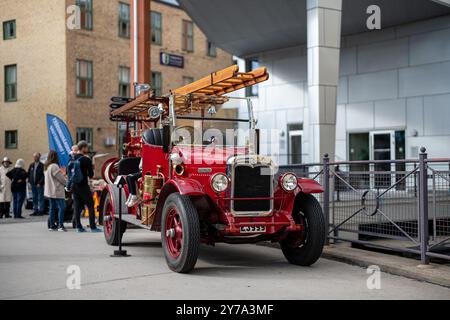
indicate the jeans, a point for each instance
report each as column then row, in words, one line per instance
column 18, row 199
column 59, row 204
column 82, row 197
column 131, row 181
column 38, row 199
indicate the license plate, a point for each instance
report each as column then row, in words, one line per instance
column 253, row 229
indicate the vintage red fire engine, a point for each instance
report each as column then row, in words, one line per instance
column 202, row 178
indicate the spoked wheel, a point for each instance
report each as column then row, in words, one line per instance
column 180, row 233
column 305, row 248
column 110, row 223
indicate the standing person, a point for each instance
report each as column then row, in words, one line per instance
column 54, row 190
column 82, row 195
column 69, row 184
column 18, row 177
column 36, row 179
column 5, row 188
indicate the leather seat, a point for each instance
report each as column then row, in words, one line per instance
column 153, row 137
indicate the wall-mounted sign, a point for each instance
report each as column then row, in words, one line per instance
column 171, row 60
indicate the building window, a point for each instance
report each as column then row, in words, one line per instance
column 11, row 83
column 187, row 80
column 9, row 30
column 124, row 81
column 86, row 16
column 252, row 64
column 86, row 134
column 188, row 36
column 211, row 49
column 124, row 20
column 156, row 28
column 157, row 83
column 85, row 79
column 11, row 139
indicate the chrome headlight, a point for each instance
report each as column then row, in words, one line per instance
column 219, row 182
column 289, row 182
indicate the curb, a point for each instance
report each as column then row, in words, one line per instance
column 399, row 266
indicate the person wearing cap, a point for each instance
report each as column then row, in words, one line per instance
column 18, row 177
column 5, row 188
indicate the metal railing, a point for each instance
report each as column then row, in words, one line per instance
column 399, row 205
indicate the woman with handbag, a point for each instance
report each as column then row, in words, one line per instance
column 54, row 191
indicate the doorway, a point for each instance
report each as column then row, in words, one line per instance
column 382, row 148
column 377, row 145
column 295, row 135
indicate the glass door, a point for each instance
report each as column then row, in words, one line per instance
column 382, row 148
column 295, row 132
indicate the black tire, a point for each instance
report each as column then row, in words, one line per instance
column 308, row 211
column 112, row 238
column 190, row 243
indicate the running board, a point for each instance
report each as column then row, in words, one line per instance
column 131, row 219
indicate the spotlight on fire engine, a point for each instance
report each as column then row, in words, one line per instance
column 212, row 111
column 156, row 111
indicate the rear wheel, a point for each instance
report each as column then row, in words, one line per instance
column 180, row 233
column 110, row 223
column 305, row 248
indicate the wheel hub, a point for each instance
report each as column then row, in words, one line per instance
column 174, row 233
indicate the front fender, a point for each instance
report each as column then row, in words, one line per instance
column 187, row 187
column 309, row 186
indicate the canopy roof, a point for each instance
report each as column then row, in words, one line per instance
column 245, row 27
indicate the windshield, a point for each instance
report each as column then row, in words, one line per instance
column 223, row 121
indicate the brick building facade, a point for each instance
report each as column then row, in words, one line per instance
column 49, row 68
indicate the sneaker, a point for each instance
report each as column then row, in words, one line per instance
column 132, row 201
column 62, row 229
column 52, row 229
column 96, row 230
column 80, row 230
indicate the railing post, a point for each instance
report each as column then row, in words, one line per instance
column 326, row 195
column 423, row 206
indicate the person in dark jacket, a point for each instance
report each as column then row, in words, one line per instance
column 82, row 194
column 36, row 180
column 18, row 177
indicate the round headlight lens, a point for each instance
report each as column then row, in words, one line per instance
column 219, row 182
column 289, row 182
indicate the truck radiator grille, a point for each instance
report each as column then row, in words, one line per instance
column 252, row 182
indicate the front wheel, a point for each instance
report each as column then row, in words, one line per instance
column 111, row 224
column 180, row 233
column 305, row 248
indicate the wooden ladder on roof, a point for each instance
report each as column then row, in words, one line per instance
column 224, row 81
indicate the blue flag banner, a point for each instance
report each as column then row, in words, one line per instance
column 59, row 138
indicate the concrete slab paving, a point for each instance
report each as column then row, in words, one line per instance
column 34, row 262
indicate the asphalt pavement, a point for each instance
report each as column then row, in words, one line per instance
column 34, row 264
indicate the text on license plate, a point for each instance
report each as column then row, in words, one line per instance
column 253, row 229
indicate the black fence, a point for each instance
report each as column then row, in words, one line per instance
column 400, row 205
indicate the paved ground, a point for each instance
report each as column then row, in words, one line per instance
column 34, row 261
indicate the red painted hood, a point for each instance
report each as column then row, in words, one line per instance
column 208, row 155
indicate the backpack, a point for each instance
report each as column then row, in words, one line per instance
column 74, row 173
